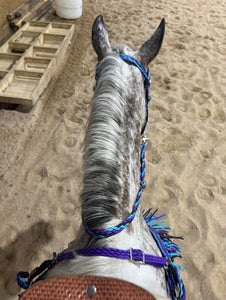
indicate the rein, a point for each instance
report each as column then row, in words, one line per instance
column 159, row 232
column 147, row 81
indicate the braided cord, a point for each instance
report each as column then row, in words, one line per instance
column 130, row 59
column 147, row 81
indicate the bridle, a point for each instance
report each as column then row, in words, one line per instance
column 159, row 232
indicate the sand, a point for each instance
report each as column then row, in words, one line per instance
column 41, row 150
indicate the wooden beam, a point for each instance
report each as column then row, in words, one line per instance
column 28, row 12
column 22, row 10
column 40, row 11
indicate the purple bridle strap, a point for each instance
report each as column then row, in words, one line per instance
column 135, row 255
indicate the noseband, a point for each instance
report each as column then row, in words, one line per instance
column 159, row 232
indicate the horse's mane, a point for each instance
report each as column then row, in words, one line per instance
column 102, row 143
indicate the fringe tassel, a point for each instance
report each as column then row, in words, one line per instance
column 169, row 250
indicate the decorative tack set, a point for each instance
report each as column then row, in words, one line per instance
column 159, row 232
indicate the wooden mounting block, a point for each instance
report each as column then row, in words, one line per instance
column 29, row 59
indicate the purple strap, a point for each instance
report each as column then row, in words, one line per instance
column 132, row 254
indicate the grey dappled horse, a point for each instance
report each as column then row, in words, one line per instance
column 112, row 219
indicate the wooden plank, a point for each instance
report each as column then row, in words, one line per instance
column 40, row 11
column 43, row 82
column 5, row 82
column 35, row 60
column 49, row 14
column 37, row 11
column 14, row 47
column 7, row 61
column 38, row 24
column 26, row 88
column 61, row 25
column 6, row 64
column 35, row 26
column 21, row 10
column 59, row 28
column 26, row 37
column 53, row 37
column 9, row 56
column 30, row 74
column 33, row 64
column 43, row 52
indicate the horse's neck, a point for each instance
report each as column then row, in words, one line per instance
column 112, row 146
column 112, row 156
column 111, row 181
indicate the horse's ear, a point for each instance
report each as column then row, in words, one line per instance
column 100, row 39
column 151, row 47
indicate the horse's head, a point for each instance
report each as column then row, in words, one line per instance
column 127, row 77
column 144, row 55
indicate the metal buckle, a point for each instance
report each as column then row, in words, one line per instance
column 136, row 261
column 145, row 139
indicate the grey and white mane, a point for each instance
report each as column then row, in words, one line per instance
column 112, row 143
